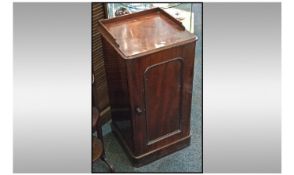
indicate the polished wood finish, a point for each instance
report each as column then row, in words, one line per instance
column 118, row 92
column 97, row 148
column 144, row 32
column 150, row 91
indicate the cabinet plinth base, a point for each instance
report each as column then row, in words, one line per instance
column 153, row 155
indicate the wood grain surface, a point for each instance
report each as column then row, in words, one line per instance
column 150, row 94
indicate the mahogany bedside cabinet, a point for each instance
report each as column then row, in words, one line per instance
column 149, row 60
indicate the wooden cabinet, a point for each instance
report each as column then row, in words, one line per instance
column 149, row 59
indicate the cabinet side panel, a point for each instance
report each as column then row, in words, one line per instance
column 118, row 92
column 188, row 55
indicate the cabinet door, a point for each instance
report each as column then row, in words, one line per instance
column 160, row 88
column 163, row 96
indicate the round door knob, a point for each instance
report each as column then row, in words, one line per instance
column 138, row 110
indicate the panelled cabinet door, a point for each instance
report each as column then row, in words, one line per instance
column 162, row 97
column 157, row 94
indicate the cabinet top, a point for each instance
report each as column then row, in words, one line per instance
column 144, row 32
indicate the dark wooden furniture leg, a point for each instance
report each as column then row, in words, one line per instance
column 97, row 124
column 103, row 156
